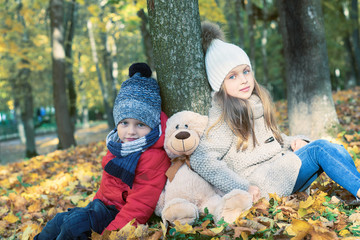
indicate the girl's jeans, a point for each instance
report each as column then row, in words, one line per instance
column 322, row 156
column 77, row 223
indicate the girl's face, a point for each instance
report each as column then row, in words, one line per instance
column 130, row 129
column 239, row 82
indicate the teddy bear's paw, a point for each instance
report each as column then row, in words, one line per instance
column 180, row 210
column 235, row 203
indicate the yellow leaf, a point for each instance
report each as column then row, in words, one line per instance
column 26, row 233
column 74, row 198
column 11, row 218
column 275, row 197
column 36, row 207
column 244, row 235
column 163, row 228
column 302, row 212
column 299, row 229
column 82, row 203
column 307, row 203
column 185, row 229
column 217, row 230
column 344, row 233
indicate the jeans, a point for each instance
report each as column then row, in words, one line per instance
column 322, row 156
column 77, row 223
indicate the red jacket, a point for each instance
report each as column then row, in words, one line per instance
column 140, row 201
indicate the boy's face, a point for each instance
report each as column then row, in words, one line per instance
column 130, row 129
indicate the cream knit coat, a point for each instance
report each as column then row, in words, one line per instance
column 270, row 166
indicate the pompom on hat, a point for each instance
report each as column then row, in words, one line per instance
column 220, row 57
column 139, row 97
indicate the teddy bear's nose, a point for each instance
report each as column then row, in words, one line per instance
column 182, row 135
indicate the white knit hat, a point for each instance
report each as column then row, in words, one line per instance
column 220, row 57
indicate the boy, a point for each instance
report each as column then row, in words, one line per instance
column 134, row 166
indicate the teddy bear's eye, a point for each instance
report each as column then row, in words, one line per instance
column 177, row 127
column 186, row 126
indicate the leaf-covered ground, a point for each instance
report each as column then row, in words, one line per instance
column 33, row 191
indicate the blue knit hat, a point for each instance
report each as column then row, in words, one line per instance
column 139, row 97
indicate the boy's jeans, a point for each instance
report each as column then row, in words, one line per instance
column 333, row 159
column 77, row 223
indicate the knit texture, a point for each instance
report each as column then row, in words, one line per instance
column 138, row 98
column 271, row 167
column 127, row 154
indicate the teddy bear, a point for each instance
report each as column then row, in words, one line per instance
column 186, row 194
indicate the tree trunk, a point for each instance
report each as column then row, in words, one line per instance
column 179, row 59
column 239, row 23
column 354, row 14
column 146, row 37
column 108, row 110
column 310, row 105
column 108, row 66
column 18, row 119
column 350, row 76
column 251, row 33
column 27, row 116
column 63, row 122
column 263, row 47
column 83, row 102
column 25, row 92
column 70, row 29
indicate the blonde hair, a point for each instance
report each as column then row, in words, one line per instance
column 238, row 115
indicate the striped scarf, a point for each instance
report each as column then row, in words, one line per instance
column 127, row 154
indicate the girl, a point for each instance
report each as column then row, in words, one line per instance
column 243, row 148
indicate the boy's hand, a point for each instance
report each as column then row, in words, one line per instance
column 254, row 192
column 297, row 144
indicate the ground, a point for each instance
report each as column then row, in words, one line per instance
column 14, row 151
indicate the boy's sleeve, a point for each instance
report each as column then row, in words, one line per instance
column 207, row 160
column 142, row 198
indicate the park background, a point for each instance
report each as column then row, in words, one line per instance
column 62, row 64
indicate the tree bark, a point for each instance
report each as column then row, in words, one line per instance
column 63, row 122
column 263, row 47
column 70, row 29
column 108, row 110
column 354, row 15
column 251, row 32
column 25, row 92
column 350, row 80
column 179, row 60
column 310, row 105
column 239, row 23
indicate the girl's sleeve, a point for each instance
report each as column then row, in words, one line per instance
column 142, row 199
column 287, row 140
column 207, row 160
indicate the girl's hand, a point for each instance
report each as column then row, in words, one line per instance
column 297, row 144
column 254, row 192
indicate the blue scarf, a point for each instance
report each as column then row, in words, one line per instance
column 127, row 154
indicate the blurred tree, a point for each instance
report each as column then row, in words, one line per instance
column 70, row 23
column 104, row 91
column 310, row 105
column 146, row 38
column 63, row 122
column 24, row 91
column 179, row 59
column 354, row 15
